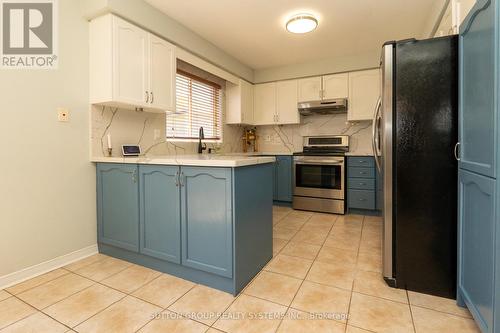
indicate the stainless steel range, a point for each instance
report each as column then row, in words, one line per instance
column 319, row 174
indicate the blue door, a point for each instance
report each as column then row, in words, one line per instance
column 283, row 179
column 160, row 218
column 118, row 205
column 479, row 89
column 476, row 236
column 478, row 137
column 207, row 232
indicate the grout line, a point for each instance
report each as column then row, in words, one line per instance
column 307, row 273
column 411, row 312
column 164, row 309
column 302, row 282
column 355, row 273
column 441, row 311
column 41, row 284
column 37, row 311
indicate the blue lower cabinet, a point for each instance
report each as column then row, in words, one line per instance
column 476, row 235
column 160, row 218
column 359, row 199
column 283, row 179
column 357, row 172
column 363, row 184
column 118, row 205
column 209, row 225
column 206, row 219
column 361, row 161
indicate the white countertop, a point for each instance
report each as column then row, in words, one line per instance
column 359, row 153
column 261, row 153
column 191, row 160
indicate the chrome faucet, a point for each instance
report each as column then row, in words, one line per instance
column 201, row 146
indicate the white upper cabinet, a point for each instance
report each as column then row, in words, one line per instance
column 364, row 92
column 265, row 104
column 163, row 68
column 129, row 67
column 335, row 86
column 309, row 89
column 323, row 87
column 286, row 102
column 130, row 63
column 239, row 103
column 275, row 103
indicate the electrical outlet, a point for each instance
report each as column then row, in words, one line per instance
column 156, row 134
column 62, row 114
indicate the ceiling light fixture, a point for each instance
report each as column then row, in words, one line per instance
column 301, row 24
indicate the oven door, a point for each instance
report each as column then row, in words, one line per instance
column 319, row 177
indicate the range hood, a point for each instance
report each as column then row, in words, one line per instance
column 327, row 106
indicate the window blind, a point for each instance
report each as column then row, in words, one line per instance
column 199, row 104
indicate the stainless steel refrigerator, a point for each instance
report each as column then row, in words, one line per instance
column 414, row 136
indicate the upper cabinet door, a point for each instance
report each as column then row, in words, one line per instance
column 130, row 63
column 265, row 103
column 286, row 102
column 163, row 66
column 364, row 92
column 309, row 89
column 479, row 89
column 336, row 86
column 247, row 103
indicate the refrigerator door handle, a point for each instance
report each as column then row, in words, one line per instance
column 456, row 151
column 375, row 135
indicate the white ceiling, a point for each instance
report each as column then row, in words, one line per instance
column 253, row 31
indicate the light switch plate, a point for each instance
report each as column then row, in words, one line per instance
column 62, row 114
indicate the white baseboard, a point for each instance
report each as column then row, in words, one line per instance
column 47, row 266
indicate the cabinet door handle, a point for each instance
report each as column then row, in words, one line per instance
column 134, row 176
column 177, row 179
column 147, row 96
column 181, row 179
column 362, row 184
column 362, row 199
column 152, row 98
column 362, row 161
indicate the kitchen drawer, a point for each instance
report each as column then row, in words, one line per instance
column 361, row 183
column 355, row 172
column 365, row 161
column 361, row 199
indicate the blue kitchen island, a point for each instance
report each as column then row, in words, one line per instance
column 207, row 219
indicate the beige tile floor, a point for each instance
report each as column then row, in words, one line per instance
column 324, row 277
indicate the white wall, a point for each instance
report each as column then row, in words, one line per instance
column 47, row 187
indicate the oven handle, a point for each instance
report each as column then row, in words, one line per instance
column 319, row 162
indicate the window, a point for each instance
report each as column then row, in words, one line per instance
column 198, row 105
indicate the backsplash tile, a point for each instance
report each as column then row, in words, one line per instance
column 290, row 137
column 131, row 127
